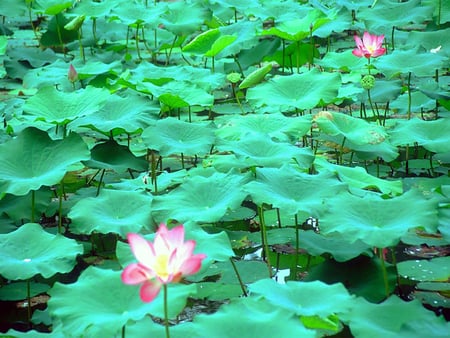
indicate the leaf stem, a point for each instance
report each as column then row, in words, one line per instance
column 241, row 283
column 264, row 239
column 383, row 268
column 166, row 316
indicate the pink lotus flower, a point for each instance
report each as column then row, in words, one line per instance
column 164, row 261
column 72, row 75
column 369, row 46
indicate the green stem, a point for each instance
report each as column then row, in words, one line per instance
column 166, row 316
column 383, row 268
column 238, row 277
column 409, row 95
column 297, row 247
column 265, row 244
column 60, row 199
column 33, row 203
column 297, row 57
column 136, row 38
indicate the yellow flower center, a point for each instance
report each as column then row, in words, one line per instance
column 161, row 266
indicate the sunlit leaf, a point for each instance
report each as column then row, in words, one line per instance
column 104, row 304
column 395, row 318
column 305, row 299
column 379, row 222
column 112, row 211
column 55, row 106
column 432, row 135
column 184, row 18
column 201, row 199
column 171, row 136
column 30, row 250
column 255, row 77
column 292, row 191
column 258, row 150
column 249, row 318
column 32, row 160
column 301, row 91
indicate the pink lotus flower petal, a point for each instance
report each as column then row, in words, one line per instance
column 164, row 261
column 135, row 274
column 369, row 46
column 149, row 290
column 142, row 249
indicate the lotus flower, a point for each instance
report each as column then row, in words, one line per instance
column 369, row 46
column 164, row 261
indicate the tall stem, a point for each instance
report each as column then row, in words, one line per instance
column 265, row 243
column 383, row 268
column 409, row 95
column 33, row 203
column 166, row 315
column 241, row 283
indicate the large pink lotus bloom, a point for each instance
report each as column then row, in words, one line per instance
column 369, row 46
column 164, row 261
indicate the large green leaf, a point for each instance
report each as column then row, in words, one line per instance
column 379, row 222
column 249, row 318
column 436, row 269
column 292, row 191
column 405, row 61
column 171, row 136
column 357, row 177
column 113, row 156
column 356, row 130
column 30, row 250
column 277, row 126
column 113, row 211
column 432, row 135
column 395, row 318
column 390, row 13
column 183, row 18
column 54, row 106
column 126, row 114
column 201, row 199
column 298, row 29
column 209, row 43
column 301, row 91
column 104, row 304
column 305, row 298
column 32, row 160
column 259, row 150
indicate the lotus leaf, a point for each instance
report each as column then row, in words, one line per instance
column 45, row 254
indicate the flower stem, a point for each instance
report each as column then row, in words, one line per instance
column 265, row 243
column 166, row 316
column 383, row 268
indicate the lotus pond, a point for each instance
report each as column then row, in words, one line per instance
column 288, row 162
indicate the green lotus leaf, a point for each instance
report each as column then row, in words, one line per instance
column 404, row 62
column 201, row 199
column 113, row 211
column 432, row 135
column 104, row 304
column 259, row 150
column 336, row 244
column 33, row 334
column 32, row 160
column 357, row 177
column 113, row 156
column 292, row 191
column 305, row 298
column 59, row 107
column 395, row 318
column 220, row 44
column 203, row 42
column 126, row 114
column 430, row 39
column 387, row 14
column 356, row 130
column 178, row 94
column 419, row 102
column 249, row 318
column 143, row 182
column 436, row 269
column 183, row 18
column 301, row 91
column 379, row 222
column 30, row 250
column 276, row 126
column 95, row 9
column 171, row 136
column 246, row 39
column 345, row 61
column 298, row 29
